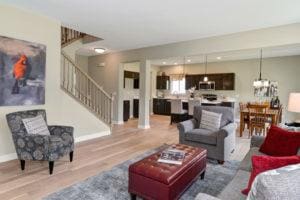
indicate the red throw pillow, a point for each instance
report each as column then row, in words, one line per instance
column 280, row 142
column 264, row 163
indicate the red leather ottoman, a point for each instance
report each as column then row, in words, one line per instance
column 153, row 180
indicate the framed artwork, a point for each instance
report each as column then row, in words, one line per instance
column 22, row 72
column 273, row 89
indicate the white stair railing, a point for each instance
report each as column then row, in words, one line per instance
column 84, row 89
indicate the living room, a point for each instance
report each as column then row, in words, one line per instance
column 218, row 152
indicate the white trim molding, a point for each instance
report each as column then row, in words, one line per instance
column 13, row 156
column 91, row 136
column 144, row 126
column 8, row 157
column 118, row 122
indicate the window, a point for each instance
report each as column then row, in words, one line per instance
column 177, row 86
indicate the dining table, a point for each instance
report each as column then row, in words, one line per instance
column 271, row 113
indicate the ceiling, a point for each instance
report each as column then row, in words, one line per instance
column 134, row 24
column 287, row 50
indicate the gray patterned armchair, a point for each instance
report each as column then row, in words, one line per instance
column 40, row 147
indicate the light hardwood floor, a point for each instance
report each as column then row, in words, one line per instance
column 90, row 158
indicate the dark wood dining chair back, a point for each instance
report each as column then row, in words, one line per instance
column 258, row 118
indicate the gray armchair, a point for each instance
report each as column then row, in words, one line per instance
column 40, row 147
column 219, row 144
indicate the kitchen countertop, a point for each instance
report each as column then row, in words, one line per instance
column 218, row 101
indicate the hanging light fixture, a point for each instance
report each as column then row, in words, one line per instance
column 258, row 83
column 205, row 79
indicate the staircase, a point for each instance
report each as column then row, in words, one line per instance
column 80, row 85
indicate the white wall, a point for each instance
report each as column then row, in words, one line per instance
column 285, row 70
column 71, row 50
column 61, row 109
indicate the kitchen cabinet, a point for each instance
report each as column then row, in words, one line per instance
column 136, row 83
column 227, row 104
column 162, row 82
column 133, row 75
column 192, row 81
column 135, row 108
column 126, row 110
column 224, row 81
column 161, row 106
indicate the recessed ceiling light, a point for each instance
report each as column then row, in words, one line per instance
column 189, row 61
column 219, row 57
column 100, row 50
column 175, row 63
column 164, row 63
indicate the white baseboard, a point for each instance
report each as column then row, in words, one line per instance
column 144, row 126
column 91, row 136
column 118, row 122
column 8, row 157
column 13, row 156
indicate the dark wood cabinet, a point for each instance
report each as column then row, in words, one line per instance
column 136, row 83
column 229, row 81
column 224, row 81
column 162, row 82
column 133, row 75
column 135, row 108
column 227, row 104
column 161, row 106
column 126, row 110
column 193, row 81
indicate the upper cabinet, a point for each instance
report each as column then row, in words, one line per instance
column 224, row 81
column 133, row 75
column 162, row 82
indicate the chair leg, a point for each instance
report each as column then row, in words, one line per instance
column 133, row 196
column 22, row 164
column 71, row 156
column 171, row 119
column 221, row 162
column 51, row 166
column 202, row 175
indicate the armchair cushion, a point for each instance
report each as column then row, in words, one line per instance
column 202, row 136
column 227, row 113
column 36, row 125
column 210, row 120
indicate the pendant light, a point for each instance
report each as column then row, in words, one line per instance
column 258, row 83
column 205, row 79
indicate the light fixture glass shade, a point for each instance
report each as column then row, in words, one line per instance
column 261, row 83
column 205, row 78
column 99, row 50
column 294, row 102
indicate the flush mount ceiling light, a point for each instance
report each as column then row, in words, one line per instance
column 219, row 57
column 175, row 63
column 99, row 50
column 189, row 61
column 164, row 63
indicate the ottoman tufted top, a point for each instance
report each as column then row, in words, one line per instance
column 166, row 173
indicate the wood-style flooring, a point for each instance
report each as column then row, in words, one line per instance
column 90, row 158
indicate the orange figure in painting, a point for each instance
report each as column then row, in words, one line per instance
column 19, row 72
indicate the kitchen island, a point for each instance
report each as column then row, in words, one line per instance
column 162, row 106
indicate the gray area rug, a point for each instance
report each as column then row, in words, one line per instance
column 113, row 184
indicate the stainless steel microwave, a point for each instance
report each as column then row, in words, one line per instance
column 207, row 85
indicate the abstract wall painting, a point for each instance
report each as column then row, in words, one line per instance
column 22, row 72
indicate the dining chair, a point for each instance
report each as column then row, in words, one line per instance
column 243, row 106
column 192, row 103
column 258, row 118
column 178, row 114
